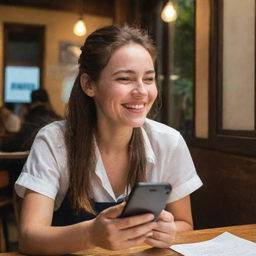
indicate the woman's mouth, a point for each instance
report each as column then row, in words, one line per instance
column 134, row 106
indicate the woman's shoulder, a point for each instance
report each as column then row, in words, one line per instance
column 53, row 131
column 54, row 127
column 163, row 139
column 160, row 129
column 161, row 135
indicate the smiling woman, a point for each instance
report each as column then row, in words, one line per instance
column 80, row 169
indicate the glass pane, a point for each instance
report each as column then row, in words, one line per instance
column 181, row 79
column 22, row 47
column 239, row 65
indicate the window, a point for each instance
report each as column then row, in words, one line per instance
column 181, row 78
column 175, row 66
column 233, row 104
column 23, row 60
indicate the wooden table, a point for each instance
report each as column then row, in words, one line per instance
column 244, row 231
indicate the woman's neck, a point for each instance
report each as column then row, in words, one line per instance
column 113, row 140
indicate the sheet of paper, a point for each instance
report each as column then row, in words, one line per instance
column 225, row 244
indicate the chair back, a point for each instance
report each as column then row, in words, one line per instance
column 4, row 178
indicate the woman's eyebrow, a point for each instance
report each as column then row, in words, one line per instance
column 128, row 71
column 150, row 72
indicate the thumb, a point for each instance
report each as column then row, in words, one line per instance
column 114, row 211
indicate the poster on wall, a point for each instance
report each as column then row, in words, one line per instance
column 69, row 53
column 20, row 81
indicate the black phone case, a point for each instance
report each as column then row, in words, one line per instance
column 147, row 198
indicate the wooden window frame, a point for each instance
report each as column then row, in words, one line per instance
column 230, row 141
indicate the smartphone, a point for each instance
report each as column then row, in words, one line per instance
column 147, row 198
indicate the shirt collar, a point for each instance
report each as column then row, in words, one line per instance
column 100, row 171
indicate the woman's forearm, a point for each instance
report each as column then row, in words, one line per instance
column 55, row 240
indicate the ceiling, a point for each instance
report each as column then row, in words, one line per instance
column 96, row 7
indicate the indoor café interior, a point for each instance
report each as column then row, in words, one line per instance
column 203, row 80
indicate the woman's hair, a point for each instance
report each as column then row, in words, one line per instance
column 81, row 115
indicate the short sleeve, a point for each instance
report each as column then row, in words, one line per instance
column 41, row 172
column 181, row 173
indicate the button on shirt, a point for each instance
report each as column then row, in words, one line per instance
column 167, row 155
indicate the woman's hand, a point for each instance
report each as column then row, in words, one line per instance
column 164, row 233
column 110, row 232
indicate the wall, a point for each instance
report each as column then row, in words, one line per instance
column 59, row 28
column 228, row 196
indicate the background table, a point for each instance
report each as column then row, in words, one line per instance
column 14, row 155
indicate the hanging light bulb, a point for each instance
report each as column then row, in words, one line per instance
column 79, row 28
column 169, row 13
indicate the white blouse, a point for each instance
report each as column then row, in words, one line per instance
column 167, row 155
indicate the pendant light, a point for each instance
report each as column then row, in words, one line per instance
column 169, row 13
column 79, row 28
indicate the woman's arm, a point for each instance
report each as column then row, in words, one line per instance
column 175, row 218
column 181, row 211
column 37, row 236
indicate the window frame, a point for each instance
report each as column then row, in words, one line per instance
column 31, row 28
column 229, row 141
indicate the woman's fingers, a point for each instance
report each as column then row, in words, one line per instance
column 164, row 227
column 127, row 222
column 160, row 239
column 166, row 216
column 157, row 243
column 138, row 231
column 164, row 232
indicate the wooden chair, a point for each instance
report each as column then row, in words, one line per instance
column 4, row 202
column 11, row 200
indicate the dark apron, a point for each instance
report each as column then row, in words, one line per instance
column 66, row 215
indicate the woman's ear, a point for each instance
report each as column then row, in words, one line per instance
column 86, row 85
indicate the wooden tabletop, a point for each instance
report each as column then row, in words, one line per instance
column 244, row 231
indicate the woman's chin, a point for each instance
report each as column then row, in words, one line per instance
column 137, row 123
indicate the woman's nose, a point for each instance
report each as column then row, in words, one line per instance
column 139, row 89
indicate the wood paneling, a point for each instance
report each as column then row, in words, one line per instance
column 228, row 196
column 96, row 7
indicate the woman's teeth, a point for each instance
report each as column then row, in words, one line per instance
column 134, row 106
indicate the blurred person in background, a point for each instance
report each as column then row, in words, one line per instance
column 39, row 114
column 9, row 121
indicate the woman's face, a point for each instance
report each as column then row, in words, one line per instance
column 126, row 88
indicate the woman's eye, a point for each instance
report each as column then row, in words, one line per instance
column 149, row 79
column 124, row 79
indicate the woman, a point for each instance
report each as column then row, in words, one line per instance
column 84, row 166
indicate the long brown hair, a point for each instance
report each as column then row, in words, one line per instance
column 81, row 115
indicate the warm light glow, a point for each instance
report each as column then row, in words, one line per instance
column 169, row 13
column 79, row 28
